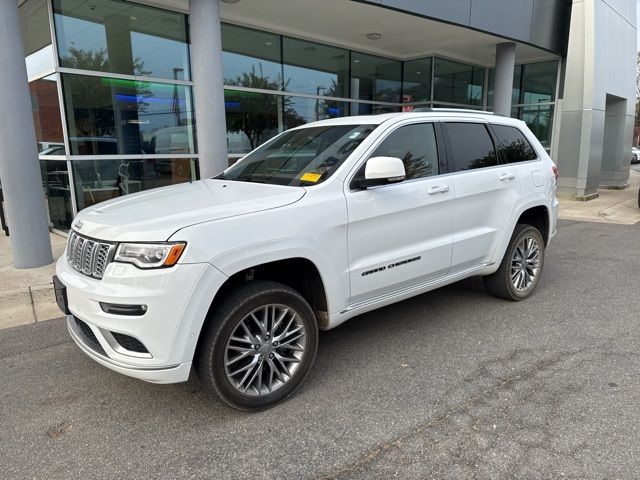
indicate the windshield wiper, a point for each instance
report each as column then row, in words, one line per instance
column 247, row 179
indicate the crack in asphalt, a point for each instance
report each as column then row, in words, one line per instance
column 504, row 383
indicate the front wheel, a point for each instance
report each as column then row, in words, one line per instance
column 521, row 267
column 258, row 346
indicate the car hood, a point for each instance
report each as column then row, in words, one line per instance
column 154, row 215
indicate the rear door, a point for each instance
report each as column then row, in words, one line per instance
column 514, row 149
column 486, row 192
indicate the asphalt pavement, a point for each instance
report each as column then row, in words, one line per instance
column 450, row 384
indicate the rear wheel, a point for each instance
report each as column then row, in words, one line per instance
column 258, row 346
column 521, row 267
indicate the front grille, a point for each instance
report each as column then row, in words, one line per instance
column 129, row 343
column 89, row 335
column 88, row 256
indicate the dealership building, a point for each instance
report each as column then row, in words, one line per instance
column 116, row 96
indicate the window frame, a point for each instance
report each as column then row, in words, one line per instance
column 442, row 163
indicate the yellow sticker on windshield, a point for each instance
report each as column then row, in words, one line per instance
column 310, row 177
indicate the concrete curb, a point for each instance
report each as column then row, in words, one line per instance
column 27, row 305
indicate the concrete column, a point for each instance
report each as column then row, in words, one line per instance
column 503, row 83
column 600, row 72
column 206, row 70
column 19, row 167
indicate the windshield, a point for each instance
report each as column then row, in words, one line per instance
column 307, row 156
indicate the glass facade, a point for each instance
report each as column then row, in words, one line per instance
column 108, row 116
column 112, row 96
column 121, row 37
column 57, row 192
column 534, row 96
column 314, row 68
column 36, row 36
column 375, row 78
column 416, row 80
column 46, row 115
column 101, row 136
column 251, row 58
column 456, row 82
column 99, row 180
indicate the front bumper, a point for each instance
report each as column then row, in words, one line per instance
column 173, row 374
column 157, row 346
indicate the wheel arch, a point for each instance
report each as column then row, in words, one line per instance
column 536, row 213
column 299, row 273
column 538, row 217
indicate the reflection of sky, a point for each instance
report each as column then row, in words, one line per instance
column 234, row 65
column 39, row 61
column 84, row 34
column 301, row 80
column 311, row 109
column 306, row 80
column 161, row 55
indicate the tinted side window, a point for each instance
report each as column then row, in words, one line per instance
column 513, row 145
column 471, row 146
column 416, row 146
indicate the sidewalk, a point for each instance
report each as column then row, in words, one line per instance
column 612, row 206
column 26, row 296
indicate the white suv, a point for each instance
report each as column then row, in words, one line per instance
column 237, row 274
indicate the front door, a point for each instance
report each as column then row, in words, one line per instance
column 401, row 234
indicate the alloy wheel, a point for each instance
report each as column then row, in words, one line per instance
column 265, row 349
column 525, row 263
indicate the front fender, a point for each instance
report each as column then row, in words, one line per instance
column 335, row 281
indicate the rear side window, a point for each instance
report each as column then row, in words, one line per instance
column 513, row 145
column 416, row 146
column 471, row 146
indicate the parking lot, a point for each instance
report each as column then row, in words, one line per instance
column 451, row 384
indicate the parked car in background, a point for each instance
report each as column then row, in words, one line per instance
column 635, row 154
column 235, row 275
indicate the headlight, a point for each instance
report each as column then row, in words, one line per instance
column 150, row 255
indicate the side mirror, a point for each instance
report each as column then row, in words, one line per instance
column 382, row 171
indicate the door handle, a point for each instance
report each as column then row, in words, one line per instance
column 506, row 176
column 438, row 189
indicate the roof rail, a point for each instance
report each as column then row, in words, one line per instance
column 454, row 110
column 462, row 110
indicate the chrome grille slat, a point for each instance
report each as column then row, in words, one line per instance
column 87, row 256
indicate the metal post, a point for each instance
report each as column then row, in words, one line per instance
column 503, row 82
column 206, row 66
column 19, row 167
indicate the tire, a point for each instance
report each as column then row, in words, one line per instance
column 500, row 283
column 243, row 334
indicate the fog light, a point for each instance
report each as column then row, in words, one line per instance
column 115, row 309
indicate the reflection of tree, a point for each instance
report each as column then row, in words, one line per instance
column 517, row 151
column 329, row 108
column 538, row 120
column 489, row 160
column 416, row 167
column 94, row 98
column 256, row 114
column 96, row 60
